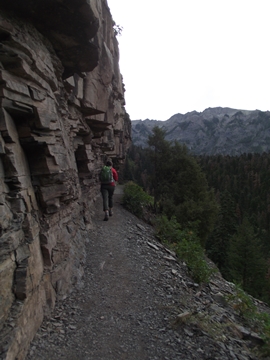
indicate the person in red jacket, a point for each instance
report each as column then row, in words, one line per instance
column 107, row 191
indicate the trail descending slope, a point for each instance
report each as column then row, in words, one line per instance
column 133, row 296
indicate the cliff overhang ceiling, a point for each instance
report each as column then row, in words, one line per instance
column 70, row 26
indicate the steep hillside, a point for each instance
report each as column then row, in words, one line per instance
column 213, row 131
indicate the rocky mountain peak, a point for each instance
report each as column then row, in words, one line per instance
column 213, row 131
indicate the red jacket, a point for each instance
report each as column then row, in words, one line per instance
column 115, row 176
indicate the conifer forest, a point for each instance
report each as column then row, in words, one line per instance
column 224, row 199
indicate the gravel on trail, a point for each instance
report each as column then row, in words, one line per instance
column 128, row 303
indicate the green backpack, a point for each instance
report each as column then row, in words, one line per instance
column 106, row 176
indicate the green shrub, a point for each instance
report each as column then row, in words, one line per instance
column 242, row 303
column 259, row 322
column 186, row 245
column 264, row 320
column 168, row 231
column 192, row 253
column 135, row 199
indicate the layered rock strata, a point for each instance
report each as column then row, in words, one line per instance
column 61, row 115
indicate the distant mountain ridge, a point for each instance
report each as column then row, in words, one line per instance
column 214, row 131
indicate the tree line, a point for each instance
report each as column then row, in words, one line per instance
column 225, row 200
column 239, row 243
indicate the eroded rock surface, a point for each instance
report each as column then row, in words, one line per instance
column 61, row 114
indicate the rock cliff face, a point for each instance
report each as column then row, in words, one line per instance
column 213, row 131
column 62, row 114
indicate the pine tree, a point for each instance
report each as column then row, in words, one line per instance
column 160, row 156
column 217, row 245
column 246, row 263
column 180, row 186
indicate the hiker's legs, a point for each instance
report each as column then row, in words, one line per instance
column 111, row 191
column 105, row 197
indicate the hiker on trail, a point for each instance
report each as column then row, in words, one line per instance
column 108, row 176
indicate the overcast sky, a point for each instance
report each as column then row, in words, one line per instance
column 178, row 56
